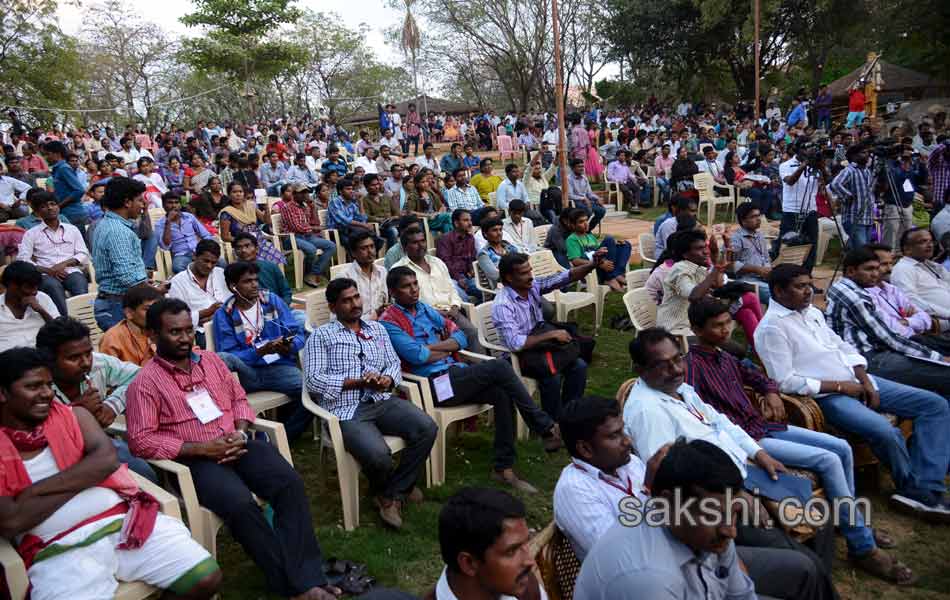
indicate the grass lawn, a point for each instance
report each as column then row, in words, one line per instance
column 410, row 559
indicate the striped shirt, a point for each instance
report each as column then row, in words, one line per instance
column 335, row 354
column 158, row 416
column 117, row 255
column 111, row 377
column 515, row 316
column 939, row 166
column 855, row 187
column 852, row 315
column 463, row 197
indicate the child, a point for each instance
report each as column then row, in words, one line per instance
column 582, row 244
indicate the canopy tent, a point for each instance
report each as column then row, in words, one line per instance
column 436, row 105
column 899, row 83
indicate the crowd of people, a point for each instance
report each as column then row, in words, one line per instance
column 420, row 240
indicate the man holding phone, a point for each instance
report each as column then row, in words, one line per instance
column 257, row 336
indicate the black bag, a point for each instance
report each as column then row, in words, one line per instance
column 548, row 359
column 733, row 290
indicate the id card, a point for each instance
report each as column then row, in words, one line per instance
column 268, row 358
column 203, row 406
column 590, row 255
column 443, row 388
column 908, row 186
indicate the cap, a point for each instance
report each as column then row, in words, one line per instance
column 299, row 187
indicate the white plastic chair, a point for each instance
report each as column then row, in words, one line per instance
column 482, row 283
column 317, row 309
column 277, row 227
column 613, row 191
column 333, row 235
column 641, row 309
column 81, row 308
column 541, row 231
column 261, row 401
column 706, row 186
column 637, row 278
column 646, row 243
column 544, row 264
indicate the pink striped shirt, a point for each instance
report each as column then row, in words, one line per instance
column 158, row 416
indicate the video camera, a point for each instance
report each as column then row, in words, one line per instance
column 887, row 148
column 813, row 154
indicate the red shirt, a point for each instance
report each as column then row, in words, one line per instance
column 296, row 218
column 279, row 148
column 158, row 417
column 34, row 164
column 856, row 101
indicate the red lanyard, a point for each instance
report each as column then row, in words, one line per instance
column 696, row 413
column 600, row 476
column 253, row 331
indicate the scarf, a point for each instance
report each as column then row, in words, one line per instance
column 245, row 216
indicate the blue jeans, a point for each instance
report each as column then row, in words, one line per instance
column 309, row 244
column 830, row 457
column 854, row 119
column 824, row 122
column 574, row 379
column 180, row 262
column 619, row 254
column 923, row 467
column 139, row 465
column 664, row 184
column 75, row 283
column 283, row 379
column 108, row 311
column 592, row 208
column 149, row 248
column 764, row 200
column 858, row 235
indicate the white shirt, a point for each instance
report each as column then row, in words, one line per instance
column 551, row 137
column 711, row 167
column 652, row 419
column 800, row 351
column 431, row 163
column 22, row 332
column 436, row 288
column 368, row 165
column 45, row 247
column 927, row 284
column 10, row 189
column 444, row 592
column 314, row 165
column 129, row 157
column 185, row 287
column 154, row 180
column 587, row 500
column 392, row 142
column 805, row 190
column 373, row 290
column 521, row 236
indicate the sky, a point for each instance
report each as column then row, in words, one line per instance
column 165, row 13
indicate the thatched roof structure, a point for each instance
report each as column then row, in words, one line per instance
column 898, row 82
column 436, row 105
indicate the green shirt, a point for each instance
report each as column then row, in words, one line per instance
column 579, row 246
column 380, row 209
column 111, row 377
column 272, row 278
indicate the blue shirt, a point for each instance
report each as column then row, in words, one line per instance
column 117, row 255
column 428, row 327
column 185, row 234
column 273, row 175
column 449, row 163
column 231, row 335
column 509, row 191
column 339, row 166
column 341, row 213
column 66, row 185
column 797, row 114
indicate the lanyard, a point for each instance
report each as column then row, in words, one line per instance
column 192, row 382
column 254, row 331
column 898, row 310
column 696, row 413
column 135, row 342
column 935, row 274
column 600, row 476
column 62, row 238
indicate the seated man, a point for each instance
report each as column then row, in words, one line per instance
column 428, row 344
column 299, row 218
column 201, row 286
column 925, row 281
column 719, row 379
column 345, row 214
column 369, row 277
column 629, row 180
column 581, row 194
column 897, row 310
column 186, row 406
column 582, row 244
column 750, row 251
column 179, row 232
column 64, row 498
column 352, row 370
column 679, row 205
column 270, row 276
column 396, row 254
column 381, row 207
column 258, row 337
column 94, row 381
column 23, row 308
column 557, row 238
column 852, row 315
column 805, row 356
column 484, row 540
column 517, row 311
column 518, row 230
column 436, row 286
column 58, row 251
column 457, row 250
column 463, row 195
column 691, row 558
column 127, row 339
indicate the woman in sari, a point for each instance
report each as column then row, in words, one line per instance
column 200, row 175
column 241, row 215
column 174, row 175
column 426, row 204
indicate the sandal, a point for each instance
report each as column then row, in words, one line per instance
column 880, row 564
column 884, row 540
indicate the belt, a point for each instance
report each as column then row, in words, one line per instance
column 106, row 296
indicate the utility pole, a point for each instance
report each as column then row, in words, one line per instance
column 755, row 10
column 559, row 98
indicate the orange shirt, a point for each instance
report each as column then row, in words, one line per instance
column 127, row 343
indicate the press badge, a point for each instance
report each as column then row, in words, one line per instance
column 443, row 388
column 203, row 406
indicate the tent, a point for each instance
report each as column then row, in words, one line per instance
column 899, row 83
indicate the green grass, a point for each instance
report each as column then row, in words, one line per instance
column 410, row 560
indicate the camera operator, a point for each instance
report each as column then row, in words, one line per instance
column 909, row 174
column 854, row 187
column 801, row 176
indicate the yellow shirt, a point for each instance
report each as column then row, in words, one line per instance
column 436, row 288
column 485, row 185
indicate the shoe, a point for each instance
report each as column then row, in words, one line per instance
column 312, row 280
column 552, row 439
column 415, row 496
column 508, row 477
column 930, row 506
column 389, row 512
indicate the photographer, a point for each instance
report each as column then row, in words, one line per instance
column 801, row 175
column 908, row 174
column 854, row 187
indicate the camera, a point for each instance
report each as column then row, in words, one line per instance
column 887, row 148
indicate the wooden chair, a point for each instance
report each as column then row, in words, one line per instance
column 203, row 523
column 544, row 264
column 444, row 416
column 347, row 467
column 81, row 308
column 296, row 254
column 557, row 563
column 18, row 583
column 637, row 278
column 646, row 244
column 261, row 401
column 483, row 284
column 541, row 231
column 706, row 187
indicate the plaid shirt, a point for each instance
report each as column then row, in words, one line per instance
column 467, row 198
column 855, row 187
column 457, row 251
column 939, row 166
column 335, row 354
column 295, row 218
column 852, row 315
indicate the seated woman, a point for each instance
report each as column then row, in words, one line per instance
column 582, row 244
column 682, row 171
column 425, row 203
column 496, row 247
column 241, row 215
column 207, row 206
column 200, row 175
column 761, row 197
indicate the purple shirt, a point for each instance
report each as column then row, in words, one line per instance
column 619, row 172
column 892, row 304
column 515, row 316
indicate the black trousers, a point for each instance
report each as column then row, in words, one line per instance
column 288, row 553
column 809, row 229
column 780, row 567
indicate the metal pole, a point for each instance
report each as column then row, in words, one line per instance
column 559, row 98
column 755, row 5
